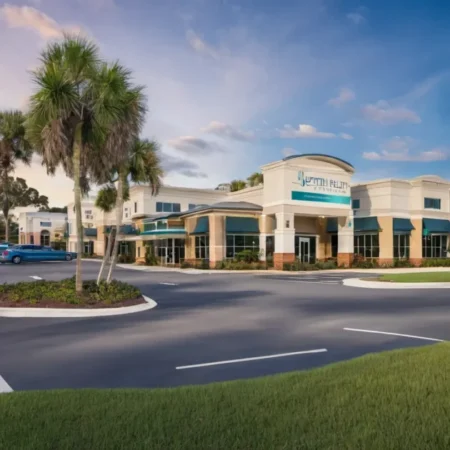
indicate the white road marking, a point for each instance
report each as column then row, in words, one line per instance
column 256, row 358
column 395, row 334
column 35, row 277
column 311, row 282
column 169, row 284
column 4, row 386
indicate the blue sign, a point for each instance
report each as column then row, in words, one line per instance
column 46, row 224
column 322, row 198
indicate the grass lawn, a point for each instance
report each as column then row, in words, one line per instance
column 419, row 277
column 396, row 400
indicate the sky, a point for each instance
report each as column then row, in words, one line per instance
column 233, row 85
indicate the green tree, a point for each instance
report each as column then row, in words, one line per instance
column 255, row 179
column 54, row 209
column 143, row 166
column 14, row 148
column 77, row 117
column 237, row 185
column 14, row 193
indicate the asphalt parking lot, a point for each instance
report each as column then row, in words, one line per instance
column 209, row 328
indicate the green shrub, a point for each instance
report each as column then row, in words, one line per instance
column 435, row 262
column 126, row 259
column 402, row 263
column 365, row 264
column 64, row 292
column 248, row 256
column 299, row 266
column 150, row 257
column 240, row 265
column 202, row 264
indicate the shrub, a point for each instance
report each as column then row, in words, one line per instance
column 402, row 263
column 126, row 259
column 365, row 264
column 150, row 257
column 299, row 266
column 248, row 256
column 64, row 292
column 435, row 262
column 240, row 265
column 199, row 264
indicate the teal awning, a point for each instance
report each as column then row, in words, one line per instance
column 332, row 225
column 402, row 225
column 241, row 225
column 90, row 232
column 363, row 224
column 202, row 226
column 436, row 226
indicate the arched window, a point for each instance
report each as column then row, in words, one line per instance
column 45, row 238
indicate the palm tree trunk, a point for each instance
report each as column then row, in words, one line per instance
column 6, row 215
column 119, row 215
column 106, row 256
column 77, row 200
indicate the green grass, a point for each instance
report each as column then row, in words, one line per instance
column 396, row 400
column 419, row 277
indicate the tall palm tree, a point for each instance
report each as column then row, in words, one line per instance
column 255, row 179
column 143, row 166
column 14, row 148
column 73, row 115
column 237, row 185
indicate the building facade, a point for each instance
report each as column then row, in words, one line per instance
column 307, row 209
column 42, row 228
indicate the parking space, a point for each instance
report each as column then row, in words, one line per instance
column 333, row 278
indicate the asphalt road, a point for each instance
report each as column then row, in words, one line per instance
column 202, row 319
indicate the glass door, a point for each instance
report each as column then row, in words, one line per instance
column 304, row 250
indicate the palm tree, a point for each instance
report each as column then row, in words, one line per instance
column 237, row 185
column 255, row 179
column 142, row 166
column 73, row 115
column 14, row 148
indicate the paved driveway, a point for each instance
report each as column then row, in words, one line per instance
column 210, row 328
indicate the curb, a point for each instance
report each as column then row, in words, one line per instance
column 61, row 313
column 357, row 283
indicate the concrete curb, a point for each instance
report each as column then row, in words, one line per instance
column 61, row 313
column 355, row 282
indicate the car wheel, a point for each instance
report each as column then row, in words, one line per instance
column 17, row 260
column 68, row 257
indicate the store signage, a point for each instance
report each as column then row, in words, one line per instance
column 321, row 189
column 46, row 224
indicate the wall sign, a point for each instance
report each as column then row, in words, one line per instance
column 45, row 224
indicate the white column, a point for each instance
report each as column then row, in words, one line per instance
column 345, row 234
column 285, row 233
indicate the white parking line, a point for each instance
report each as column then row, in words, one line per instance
column 256, row 358
column 4, row 386
column 35, row 277
column 395, row 334
column 169, row 284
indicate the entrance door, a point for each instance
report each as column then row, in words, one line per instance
column 304, row 250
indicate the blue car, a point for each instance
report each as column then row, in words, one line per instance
column 34, row 253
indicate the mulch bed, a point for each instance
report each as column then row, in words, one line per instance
column 6, row 303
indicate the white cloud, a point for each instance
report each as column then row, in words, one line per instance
column 346, row 136
column 288, row 151
column 399, row 149
column 356, row 17
column 382, row 112
column 199, row 45
column 304, row 131
column 193, row 145
column 32, row 19
column 223, row 130
column 175, row 165
column 345, row 95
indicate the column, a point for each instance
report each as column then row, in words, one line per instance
column 415, row 242
column 345, row 241
column 266, row 228
column 216, row 239
column 284, row 240
column 323, row 242
column 386, row 237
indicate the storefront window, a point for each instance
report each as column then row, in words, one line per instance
column 201, row 247
column 237, row 243
column 367, row 245
column 434, row 246
column 334, row 245
column 270, row 247
column 401, row 246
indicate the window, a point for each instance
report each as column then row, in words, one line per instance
column 432, row 203
column 367, row 245
column 88, row 211
column 45, row 238
column 149, row 226
column 355, row 203
column 270, row 247
column 237, row 243
column 125, row 211
column 334, row 245
column 401, row 246
column 135, row 207
column 168, row 207
column 88, row 247
column 201, row 247
column 434, row 246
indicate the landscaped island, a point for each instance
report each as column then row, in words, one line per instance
column 393, row 400
column 417, row 277
column 62, row 294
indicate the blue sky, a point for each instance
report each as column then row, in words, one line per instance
column 236, row 84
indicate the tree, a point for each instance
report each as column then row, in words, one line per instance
column 143, row 165
column 237, row 185
column 255, row 179
column 76, row 117
column 54, row 209
column 14, row 148
column 14, row 193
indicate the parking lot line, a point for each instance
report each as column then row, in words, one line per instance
column 395, row 334
column 169, row 284
column 4, row 386
column 35, row 277
column 255, row 358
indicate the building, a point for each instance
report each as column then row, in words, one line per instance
column 42, row 228
column 307, row 209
